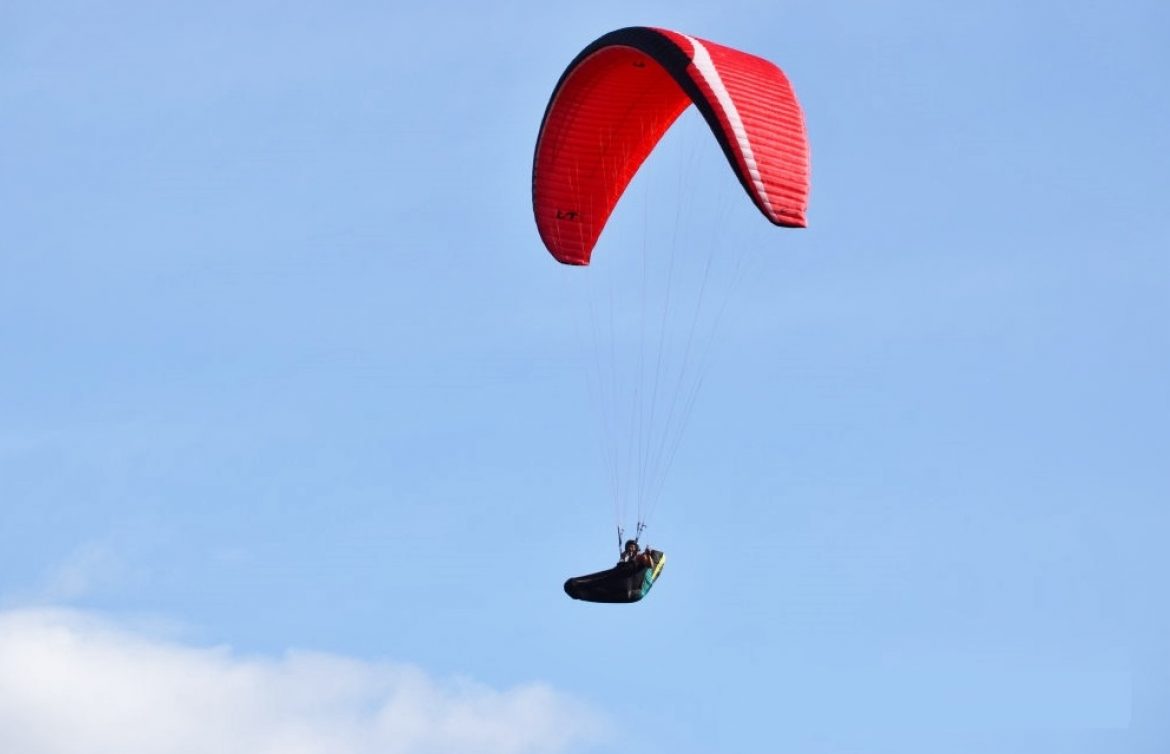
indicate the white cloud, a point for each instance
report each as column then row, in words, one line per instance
column 70, row 683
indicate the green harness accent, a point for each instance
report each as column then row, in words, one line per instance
column 652, row 574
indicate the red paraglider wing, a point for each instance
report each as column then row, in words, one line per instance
column 619, row 96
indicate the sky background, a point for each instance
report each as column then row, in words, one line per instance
column 296, row 451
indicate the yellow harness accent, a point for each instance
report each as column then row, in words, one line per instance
column 657, row 568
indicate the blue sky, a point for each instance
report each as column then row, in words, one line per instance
column 287, row 369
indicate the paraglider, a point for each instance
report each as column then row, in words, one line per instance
column 606, row 114
column 628, row 581
column 619, row 96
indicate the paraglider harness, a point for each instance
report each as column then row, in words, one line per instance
column 628, row 581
